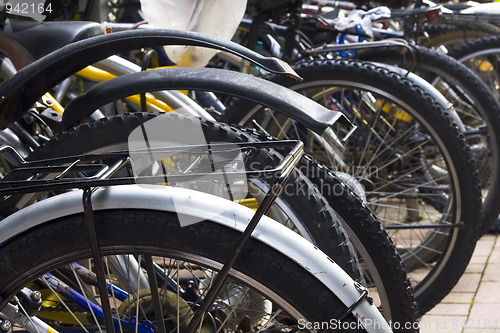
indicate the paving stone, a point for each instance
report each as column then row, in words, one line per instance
column 492, row 272
column 479, row 284
column 484, row 247
column 458, row 297
column 474, row 268
column 488, row 293
column 485, row 315
column 488, row 237
column 495, row 255
column 451, row 309
column 482, row 259
column 468, row 283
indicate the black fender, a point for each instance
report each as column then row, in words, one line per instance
column 281, row 99
column 20, row 92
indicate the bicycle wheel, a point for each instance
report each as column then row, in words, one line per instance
column 381, row 263
column 260, row 293
column 303, row 206
column 292, row 208
column 475, row 105
column 482, row 57
column 407, row 154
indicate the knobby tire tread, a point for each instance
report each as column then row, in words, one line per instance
column 309, row 205
column 431, row 64
column 469, row 187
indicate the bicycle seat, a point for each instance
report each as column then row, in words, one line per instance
column 41, row 38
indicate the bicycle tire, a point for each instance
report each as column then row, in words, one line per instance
column 159, row 234
column 366, row 234
column 439, row 281
column 386, row 262
column 476, row 106
column 481, row 57
column 478, row 47
column 309, row 206
column 452, row 34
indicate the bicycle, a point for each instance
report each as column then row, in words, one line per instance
column 431, row 24
column 401, row 306
column 462, row 23
column 480, row 56
column 472, row 102
column 153, row 214
column 364, row 93
column 410, row 209
column 42, row 208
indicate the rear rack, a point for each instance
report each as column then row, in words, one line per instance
column 94, row 170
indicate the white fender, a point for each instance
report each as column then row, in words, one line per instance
column 196, row 205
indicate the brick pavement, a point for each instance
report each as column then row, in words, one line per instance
column 474, row 303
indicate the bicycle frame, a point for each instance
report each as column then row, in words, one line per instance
column 30, row 83
column 27, row 86
column 195, row 204
column 164, row 101
column 302, row 50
